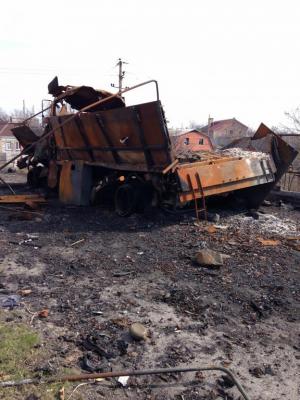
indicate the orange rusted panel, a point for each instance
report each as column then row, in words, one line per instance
column 22, row 198
column 223, row 175
column 122, row 138
column 65, row 183
column 52, row 174
column 75, row 183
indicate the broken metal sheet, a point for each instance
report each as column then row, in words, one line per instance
column 265, row 140
column 281, row 153
column 75, row 183
column 54, row 88
column 24, row 135
column 81, row 96
column 132, row 138
column 85, row 95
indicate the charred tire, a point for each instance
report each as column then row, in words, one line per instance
column 126, row 200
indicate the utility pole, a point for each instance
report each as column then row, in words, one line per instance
column 210, row 121
column 24, row 108
column 121, row 74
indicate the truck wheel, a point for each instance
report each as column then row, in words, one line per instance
column 125, row 200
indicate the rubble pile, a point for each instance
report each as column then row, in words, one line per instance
column 186, row 155
column 268, row 223
column 238, row 152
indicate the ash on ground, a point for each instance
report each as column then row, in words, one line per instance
column 97, row 274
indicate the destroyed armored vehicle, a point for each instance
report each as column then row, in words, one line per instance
column 95, row 147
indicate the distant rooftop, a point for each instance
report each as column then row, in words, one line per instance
column 221, row 122
column 5, row 128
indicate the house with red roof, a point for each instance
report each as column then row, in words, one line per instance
column 225, row 131
column 192, row 140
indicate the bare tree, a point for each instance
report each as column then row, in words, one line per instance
column 293, row 125
column 34, row 124
column 195, row 125
column 3, row 115
column 19, row 115
column 294, row 119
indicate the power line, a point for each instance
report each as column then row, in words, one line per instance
column 24, row 71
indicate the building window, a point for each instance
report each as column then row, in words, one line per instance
column 17, row 146
column 231, row 131
column 201, row 141
column 186, row 141
column 8, row 146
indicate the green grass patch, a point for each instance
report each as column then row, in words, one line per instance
column 17, row 348
column 20, row 353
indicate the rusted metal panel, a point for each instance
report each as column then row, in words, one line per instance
column 59, row 136
column 65, row 183
column 223, row 175
column 52, row 178
column 132, row 136
column 75, row 183
column 24, row 135
column 22, row 198
column 281, row 153
column 267, row 141
column 82, row 96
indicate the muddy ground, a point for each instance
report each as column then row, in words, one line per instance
column 244, row 315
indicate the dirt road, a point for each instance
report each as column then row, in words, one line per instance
column 97, row 273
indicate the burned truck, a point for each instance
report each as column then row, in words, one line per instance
column 95, row 147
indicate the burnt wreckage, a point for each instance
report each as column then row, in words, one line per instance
column 94, row 146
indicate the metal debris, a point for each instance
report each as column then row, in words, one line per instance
column 82, row 377
column 77, row 242
column 268, row 242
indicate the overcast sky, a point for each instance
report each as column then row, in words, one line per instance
column 224, row 58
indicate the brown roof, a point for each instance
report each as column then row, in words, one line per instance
column 5, row 128
column 192, row 130
column 220, row 123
